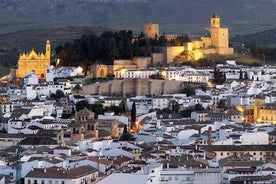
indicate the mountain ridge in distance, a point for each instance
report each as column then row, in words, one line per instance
column 174, row 16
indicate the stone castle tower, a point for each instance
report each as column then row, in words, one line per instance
column 215, row 42
column 215, row 21
column 34, row 62
column 218, row 41
column 151, row 30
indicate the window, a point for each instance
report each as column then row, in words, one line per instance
column 35, row 181
column 176, row 178
column 50, row 181
column 170, row 178
column 42, row 182
column 29, row 181
column 62, row 182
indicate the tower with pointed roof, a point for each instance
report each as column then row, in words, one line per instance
column 215, row 20
column 217, row 41
column 34, row 62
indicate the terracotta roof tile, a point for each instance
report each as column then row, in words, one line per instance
column 61, row 173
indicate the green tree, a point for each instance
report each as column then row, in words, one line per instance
column 126, row 136
column 241, row 75
column 222, row 104
column 189, row 90
column 81, row 105
column 78, row 88
column 110, row 76
column 245, row 76
column 198, row 107
column 4, row 130
column 133, row 115
column 203, row 87
column 175, row 107
column 186, row 113
column 219, row 77
column 122, row 106
column 59, row 94
column 96, row 108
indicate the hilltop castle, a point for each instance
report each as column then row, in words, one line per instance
column 32, row 61
column 215, row 42
column 218, row 40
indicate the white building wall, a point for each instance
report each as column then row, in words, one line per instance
column 212, row 175
column 30, row 79
column 186, row 134
column 249, row 138
column 31, row 92
column 36, row 111
column 27, row 166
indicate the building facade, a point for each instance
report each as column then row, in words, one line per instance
column 34, row 62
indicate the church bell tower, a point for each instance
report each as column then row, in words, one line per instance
column 215, row 21
column 48, row 51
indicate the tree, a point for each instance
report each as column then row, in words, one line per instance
column 81, row 105
column 122, row 106
column 188, row 90
column 78, row 88
column 96, row 108
column 133, row 115
column 175, row 107
column 222, row 104
column 59, row 94
column 186, row 113
column 219, row 77
column 110, row 76
column 203, row 87
column 241, row 75
column 126, row 136
column 4, row 130
column 245, row 76
column 198, row 107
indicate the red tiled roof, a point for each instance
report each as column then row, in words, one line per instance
column 52, row 160
column 61, row 173
column 100, row 160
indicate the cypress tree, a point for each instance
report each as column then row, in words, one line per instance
column 133, row 115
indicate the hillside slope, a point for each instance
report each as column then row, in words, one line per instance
column 265, row 38
column 174, row 16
